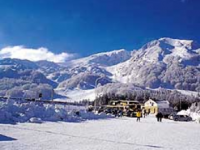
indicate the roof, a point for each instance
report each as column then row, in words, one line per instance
column 160, row 104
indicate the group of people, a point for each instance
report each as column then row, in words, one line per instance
column 139, row 114
column 143, row 113
column 118, row 112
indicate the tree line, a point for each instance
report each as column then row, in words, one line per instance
column 176, row 99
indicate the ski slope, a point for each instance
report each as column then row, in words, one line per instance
column 109, row 134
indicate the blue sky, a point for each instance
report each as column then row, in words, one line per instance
column 85, row 27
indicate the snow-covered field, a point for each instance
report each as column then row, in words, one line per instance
column 106, row 134
column 76, row 95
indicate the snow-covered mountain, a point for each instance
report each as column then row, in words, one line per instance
column 22, row 78
column 84, row 81
column 166, row 62
column 24, row 70
column 94, row 64
column 17, row 64
column 103, row 59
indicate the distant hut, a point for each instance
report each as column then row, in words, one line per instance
column 154, row 107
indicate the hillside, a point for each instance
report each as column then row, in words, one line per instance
column 166, row 63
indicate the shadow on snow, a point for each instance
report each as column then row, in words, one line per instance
column 6, row 138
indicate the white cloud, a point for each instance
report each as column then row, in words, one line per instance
column 41, row 53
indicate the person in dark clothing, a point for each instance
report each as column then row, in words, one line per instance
column 120, row 113
column 144, row 112
column 159, row 117
column 77, row 113
column 115, row 112
column 149, row 111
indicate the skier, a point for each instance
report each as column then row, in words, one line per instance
column 138, row 115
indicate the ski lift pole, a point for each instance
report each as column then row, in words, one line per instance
column 52, row 93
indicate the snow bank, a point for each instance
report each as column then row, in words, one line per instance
column 183, row 112
column 194, row 111
column 36, row 112
column 195, row 116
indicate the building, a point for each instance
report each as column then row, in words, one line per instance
column 128, row 108
column 155, row 106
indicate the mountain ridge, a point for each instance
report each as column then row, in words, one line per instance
column 166, row 62
column 149, row 65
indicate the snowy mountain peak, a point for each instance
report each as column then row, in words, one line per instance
column 176, row 42
column 172, row 43
column 164, row 62
column 111, row 52
column 17, row 64
column 165, row 49
column 105, row 58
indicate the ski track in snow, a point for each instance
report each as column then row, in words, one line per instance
column 109, row 134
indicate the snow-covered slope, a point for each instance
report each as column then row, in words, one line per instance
column 17, row 64
column 104, row 59
column 84, row 81
column 166, row 62
column 22, row 78
column 82, row 73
